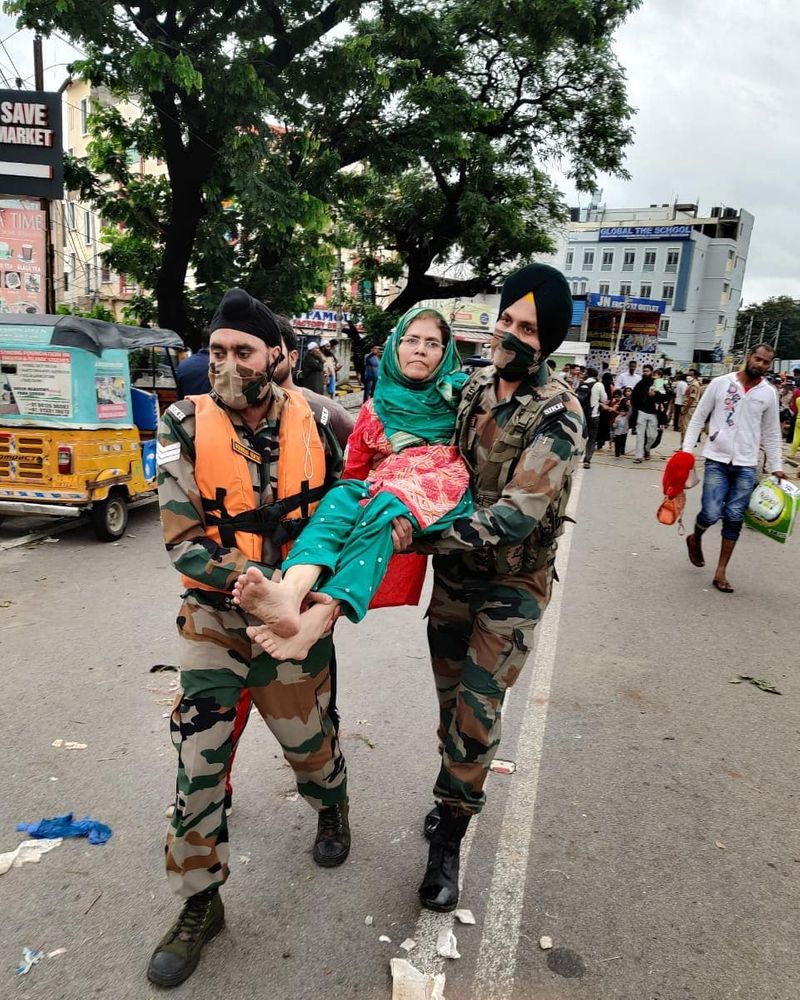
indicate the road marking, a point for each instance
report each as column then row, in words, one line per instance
column 497, row 957
column 494, row 975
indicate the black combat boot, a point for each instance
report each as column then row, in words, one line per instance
column 333, row 835
column 439, row 889
column 178, row 952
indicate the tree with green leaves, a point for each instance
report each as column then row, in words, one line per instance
column 426, row 130
column 763, row 322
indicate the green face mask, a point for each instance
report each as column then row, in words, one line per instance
column 516, row 360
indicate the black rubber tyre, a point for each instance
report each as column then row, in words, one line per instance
column 110, row 517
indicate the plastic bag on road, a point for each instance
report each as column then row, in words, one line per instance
column 773, row 508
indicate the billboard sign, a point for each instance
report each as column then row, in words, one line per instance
column 594, row 300
column 31, row 150
column 649, row 233
column 22, row 259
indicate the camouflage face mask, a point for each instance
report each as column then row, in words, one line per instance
column 516, row 360
column 238, row 386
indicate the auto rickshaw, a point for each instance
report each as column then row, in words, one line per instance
column 76, row 437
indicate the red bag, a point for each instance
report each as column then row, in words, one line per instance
column 403, row 581
column 671, row 509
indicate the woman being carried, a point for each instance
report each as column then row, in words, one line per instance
column 399, row 463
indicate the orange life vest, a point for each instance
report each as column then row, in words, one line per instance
column 225, row 482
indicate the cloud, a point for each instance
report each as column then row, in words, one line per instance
column 716, row 90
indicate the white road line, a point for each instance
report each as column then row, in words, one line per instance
column 497, row 957
column 501, row 929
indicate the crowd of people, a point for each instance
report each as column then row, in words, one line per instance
column 641, row 402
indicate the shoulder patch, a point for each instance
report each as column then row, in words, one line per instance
column 553, row 408
column 324, row 416
column 180, row 410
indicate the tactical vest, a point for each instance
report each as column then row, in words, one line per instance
column 223, row 477
column 491, row 478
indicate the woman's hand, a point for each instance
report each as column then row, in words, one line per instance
column 402, row 533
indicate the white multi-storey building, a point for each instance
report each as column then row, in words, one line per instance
column 669, row 253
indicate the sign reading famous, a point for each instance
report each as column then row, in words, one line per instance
column 31, row 154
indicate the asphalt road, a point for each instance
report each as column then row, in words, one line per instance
column 650, row 828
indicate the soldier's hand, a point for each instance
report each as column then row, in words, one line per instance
column 402, row 533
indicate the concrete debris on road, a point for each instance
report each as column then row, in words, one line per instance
column 368, row 920
column 464, row 916
column 503, row 766
column 446, row 944
column 409, row 983
column 28, row 852
column 385, row 939
column 545, row 942
column 69, row 745
column 408, row 945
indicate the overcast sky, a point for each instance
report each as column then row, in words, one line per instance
column 716, row 86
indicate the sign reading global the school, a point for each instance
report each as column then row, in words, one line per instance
column 617, row 233
column 31, row 154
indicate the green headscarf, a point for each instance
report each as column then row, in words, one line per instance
column 411, row 412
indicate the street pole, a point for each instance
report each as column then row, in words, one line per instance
column 749, row 334
column 339, row 270
column 777, row 335
column 49, row 254
column 625, row 302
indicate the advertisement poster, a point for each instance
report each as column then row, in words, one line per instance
column 36, row 383
column 22, row 260
column 111, row 390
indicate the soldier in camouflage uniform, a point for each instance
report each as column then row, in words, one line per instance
column 217, row 659
column 521, row 432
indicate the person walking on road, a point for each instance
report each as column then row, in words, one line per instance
column 371, row 365
column 591, row 395
column 240, row 470
column 742, row 410
column 628, row 379
column 313, row 369
column 691, row 398
column 679, row 390
column 643, row 404
column 521, row 433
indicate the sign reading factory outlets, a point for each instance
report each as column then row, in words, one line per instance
column 31, row 155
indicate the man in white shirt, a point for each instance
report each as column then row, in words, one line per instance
column 679, row 390
column 628, row 379
column 742, row 410
column 591, row 394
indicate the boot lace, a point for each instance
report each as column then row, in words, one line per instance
column 192, row 917
column 330, row 823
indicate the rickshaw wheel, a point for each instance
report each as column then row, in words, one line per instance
column 110, row 517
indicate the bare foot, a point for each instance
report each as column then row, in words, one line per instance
column 313, row 624
column 275, row 603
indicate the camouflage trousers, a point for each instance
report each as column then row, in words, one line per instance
column 480, row 631
column 217, row 662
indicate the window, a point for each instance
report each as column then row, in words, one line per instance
column 625, row 288
column 66, row 281
column 628, row 260
column 663, row 326
column 731, row 260
column 570, row 257
column 588, row 260
column 649, row 260
column 84, row 116
column 726, row 293
column 721, row 320
column 645, row 291
column 673, row 257
column 87, row 226
column 667, row 292
column 87, row 280
column 608, row 260
column 73, row 263
column 574, row 287
column 605, row 289
column 105, row 274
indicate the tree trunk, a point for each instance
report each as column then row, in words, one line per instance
column 425, row 286
column 185, row 214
